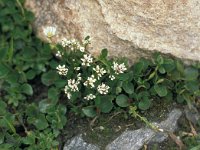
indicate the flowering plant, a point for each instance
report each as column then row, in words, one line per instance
column 91, row 83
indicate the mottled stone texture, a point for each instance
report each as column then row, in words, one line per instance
column 134, row 140
column 125, row 26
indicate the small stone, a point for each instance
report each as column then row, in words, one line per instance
column 77, row 143
column 134, row 140
column 131, row 140
column 101, row 128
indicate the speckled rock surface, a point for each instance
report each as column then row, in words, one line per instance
column 125, row 27
column 77, row 143
column 134, row 140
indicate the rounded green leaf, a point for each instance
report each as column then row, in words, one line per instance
column 161, row 70
column 161, row 90
column 191, row 73
column 89, row 111
column 104, row 103
column 27, row 89
column 122, row 100
column 49, row 78
column 144, row 104
column 53, row 94
column 41, row 122
column 160, row 59
column 30, row 74
column 128, row 87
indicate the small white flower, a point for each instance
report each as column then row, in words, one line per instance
column 73, row 85
column 90, row 97
column 100, row 71
column 66, row 90
column 112, row 77
column 79, row 78
column 77, row 68
column 59, row 54
column 49, row 31
column 86, row 60
column 82, row 49
column 62, row 70
column 90, row 81
column 119, row 68
column 103, row 88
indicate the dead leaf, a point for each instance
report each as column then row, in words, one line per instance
column 193, row 131
column 177, row 141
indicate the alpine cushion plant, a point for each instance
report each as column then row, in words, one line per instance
column 91, row 83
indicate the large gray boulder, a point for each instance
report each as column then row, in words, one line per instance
column 125, row 26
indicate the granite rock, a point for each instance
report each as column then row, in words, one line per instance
column 129, row 28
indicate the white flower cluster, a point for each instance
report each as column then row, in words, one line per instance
column 90, row 81
column 86, row 60
column 49, row 31
column 100, row 71
column 72, row 86
column 119, row 68
column 62, row 70
column 90, row 97
column 72, row 44
column 103, row 88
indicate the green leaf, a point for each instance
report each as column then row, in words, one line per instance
column 128, row 87
column 3, row 70
column 3, row 106
column 160, row 59
column 104, row 53
column 27, row 89
column 3, row 52
column 123, row 77
column 192, row 86
column 30, row 74
column 89, row 111
column 191, row 73
column 161, row 70
column 104, row 103
column 49, row 78
column 30, row 139
column 138, row 67
column 41, row 122
column 53, row 94
column 44, row 106
column 1, row 138
column 161, row 90
column 122, row 100
column 118, row 90
column 145, row 103
column 169, row 65
column 179, row 66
